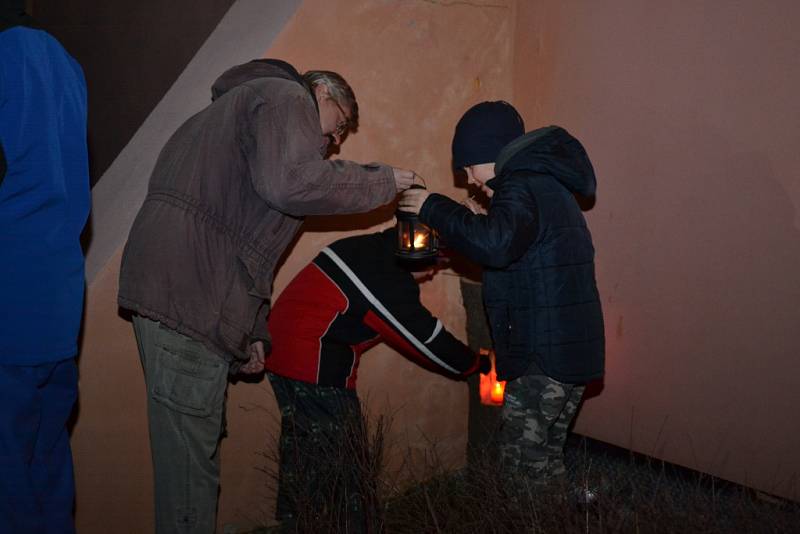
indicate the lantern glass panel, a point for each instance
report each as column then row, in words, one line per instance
column 414, row 239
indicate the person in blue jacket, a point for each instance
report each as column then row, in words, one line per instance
column 44, row 205
column 539, row 286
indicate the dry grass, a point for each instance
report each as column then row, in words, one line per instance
column 632, row 495
column 635, row 494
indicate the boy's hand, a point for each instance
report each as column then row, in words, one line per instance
column 411, row 200
column 484, row 365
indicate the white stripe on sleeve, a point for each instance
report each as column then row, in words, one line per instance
column 436, row 331
column 391, row 318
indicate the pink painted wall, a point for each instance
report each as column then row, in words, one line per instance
column 689, row 111
column 690, row 117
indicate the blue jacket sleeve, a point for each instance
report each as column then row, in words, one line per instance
column 493, row 240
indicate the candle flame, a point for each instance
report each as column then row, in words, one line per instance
column 420, row 240
column 498, row 389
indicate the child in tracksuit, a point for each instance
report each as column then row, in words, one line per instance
column 351, row 297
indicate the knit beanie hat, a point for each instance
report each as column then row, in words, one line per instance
column 483, row 131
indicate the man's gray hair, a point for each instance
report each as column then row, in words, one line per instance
column 338, row 88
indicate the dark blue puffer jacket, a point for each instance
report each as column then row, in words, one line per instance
column 539, row 284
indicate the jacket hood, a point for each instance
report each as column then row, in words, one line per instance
column 257, row 68
column 550, row 150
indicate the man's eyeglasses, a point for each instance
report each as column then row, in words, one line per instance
column 344, row 124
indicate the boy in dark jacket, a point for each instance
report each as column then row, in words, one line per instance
column 351, row 297
column 539, row 288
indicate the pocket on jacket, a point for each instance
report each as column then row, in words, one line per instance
column 251, row 270
column 187, row 377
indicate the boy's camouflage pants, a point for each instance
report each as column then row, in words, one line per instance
column 536, row 416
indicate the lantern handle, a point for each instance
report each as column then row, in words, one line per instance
column 421, row 179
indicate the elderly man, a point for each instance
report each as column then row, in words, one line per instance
column 228, row 194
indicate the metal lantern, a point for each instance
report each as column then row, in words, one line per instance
column 415, row 240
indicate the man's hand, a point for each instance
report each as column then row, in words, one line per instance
column 403, row 179
column 256, row 362
column 412, row 200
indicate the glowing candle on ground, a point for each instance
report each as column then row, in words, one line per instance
column 491, row 390
column 498, row 389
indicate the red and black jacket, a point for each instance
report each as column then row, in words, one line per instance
column 352, row 296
